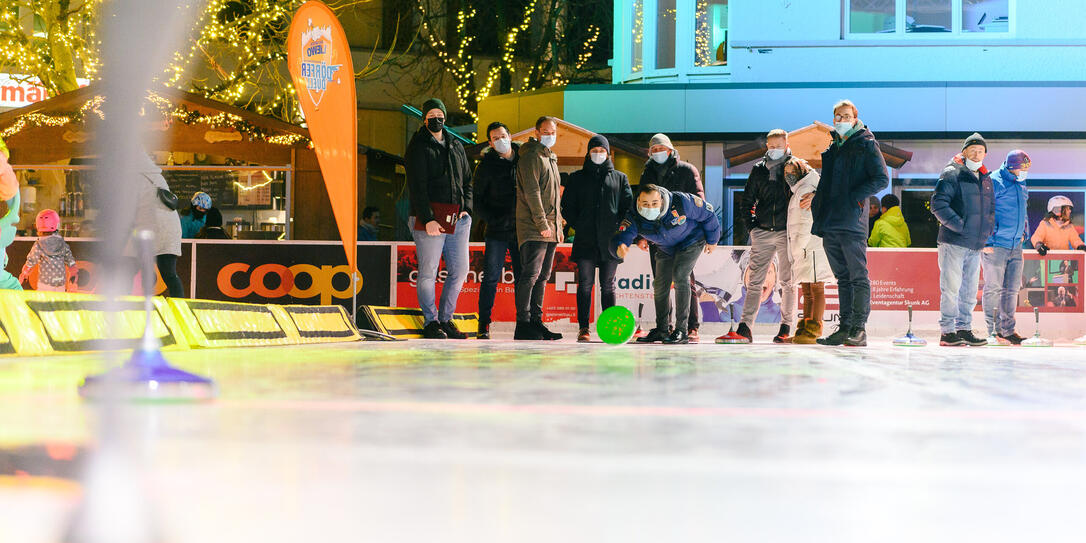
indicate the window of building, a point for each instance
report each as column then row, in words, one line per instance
column 868, row 18
column 666, row 14
column 637, row 36
column 711, row 33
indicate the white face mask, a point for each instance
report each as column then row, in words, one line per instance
column 660, row 157
column 842, row 127
column 775, row 154
column 503, row 145
column 973, row 166
column 1022, row 176
column 598, row 158
column 650, row 213
column 548, row 140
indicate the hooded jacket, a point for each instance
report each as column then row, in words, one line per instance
column 673, row 175
column 964, row 204
column 809, row 262
column 596, row 199
column 853, row 170
column 495, row 198
column 538, row 191
column 890, row 230
column 1010, row 210
column 53, row 257
column 437, row 172
column 686, row 220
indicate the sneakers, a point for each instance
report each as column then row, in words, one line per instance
column 996, row 340
column 484, row 331
column 452, row 331
column 835, row 339
column 856, row 338
column 434, row 330
column 1013, row 338
column 526, row 331
column 782, row 335
column 692, row 334
column 744, row 331
column 951, row 339
column 544, row 333
column 583, row 336
column 971, row 340
column 678, row 337
column 653, row 336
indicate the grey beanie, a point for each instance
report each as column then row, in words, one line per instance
column 661, row 139
column 975, row 139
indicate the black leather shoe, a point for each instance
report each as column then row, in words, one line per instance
column 434, row 331
column 484, row 331
column 970, row 339
column 835, row 339
column 856, row 338
column 678, row 337
column 546, row 334
column 653, row 336
column 452, row 331
column 1014, row 338
column 527, row 331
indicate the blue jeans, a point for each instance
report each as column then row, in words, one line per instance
column 1002, row 281
column 430, row 249
column 496, row 250
column 847, row 253
column 959, row 272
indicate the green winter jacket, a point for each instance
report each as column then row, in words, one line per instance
column 890, row 230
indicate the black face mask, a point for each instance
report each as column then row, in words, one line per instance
column 434, row 124
column 197, row 214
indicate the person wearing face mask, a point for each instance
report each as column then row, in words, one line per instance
column 853, row 170
column 438, row 172
column 1001, row 259
column 495, row 204
column 664, row 169
column 964, row 204
column 194, row 218
column 596, row 199
column 539, row 223
column 681, row 226
column 764, row 209
column 1055, row 231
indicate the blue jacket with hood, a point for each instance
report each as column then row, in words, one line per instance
column 686, row 220
column 1010, row 210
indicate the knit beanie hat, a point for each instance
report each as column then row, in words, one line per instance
column 599, row 141
column 975, row 139
column 433, row 103
column 661, row 139
column 1016, row 159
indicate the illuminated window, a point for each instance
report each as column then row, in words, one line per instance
column 711, row 33
column 666, row 13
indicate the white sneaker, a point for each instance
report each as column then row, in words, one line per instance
column 996, row 341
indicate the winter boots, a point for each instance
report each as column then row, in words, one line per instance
column 809, row 328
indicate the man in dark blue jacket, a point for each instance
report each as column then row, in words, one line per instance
column 852, row 171
column 1001, row 259
column 963, row 203
column 681, row 226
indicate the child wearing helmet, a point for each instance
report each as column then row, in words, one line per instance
column 52, row 256
column 1055, row 232
column 193, row 219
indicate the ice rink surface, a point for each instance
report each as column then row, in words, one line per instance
column 501, row 441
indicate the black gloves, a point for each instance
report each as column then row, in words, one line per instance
column 1081, row 248
column 1042, row 249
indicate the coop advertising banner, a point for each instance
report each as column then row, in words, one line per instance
column 319, row 60
column 560, row 302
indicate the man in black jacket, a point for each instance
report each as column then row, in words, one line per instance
column 853, row 170
column 765, row 211
column 438, row 173
column 964, row 204
column 664, row 169
column 596, row 199
column 495, row 204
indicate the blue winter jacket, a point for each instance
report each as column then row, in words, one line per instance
column 687, row 220
column 1010, row 210
column 852, row 171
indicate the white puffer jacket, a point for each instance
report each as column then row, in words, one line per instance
column 809, row 263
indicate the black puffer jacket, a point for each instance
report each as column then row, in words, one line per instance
column 674, row 175
column 765, row 200
column 495, row 194
column 596, row 199
column 964, row 203
column 437, row 173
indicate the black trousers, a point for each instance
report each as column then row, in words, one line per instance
column 167, row 268
column 586, row 277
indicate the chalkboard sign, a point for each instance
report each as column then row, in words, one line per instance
column 219, row 184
